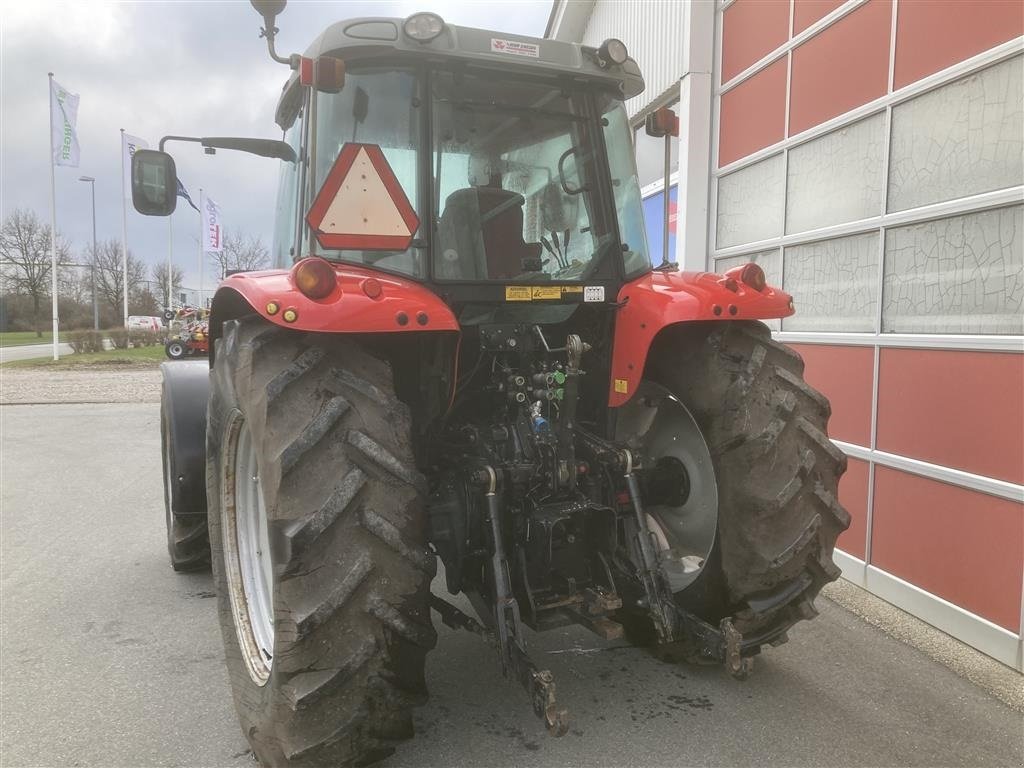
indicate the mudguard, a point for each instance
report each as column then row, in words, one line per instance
column 659, row 299
column 186, row 387
column 364, row 301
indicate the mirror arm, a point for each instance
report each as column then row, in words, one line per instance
column 178, row 138
column 270, row 32
column 263, row 147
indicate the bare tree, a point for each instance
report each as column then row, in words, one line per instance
column 25, row 250
column 110, row 275
column 240, row 252
column 160, row 281
column 74, row 283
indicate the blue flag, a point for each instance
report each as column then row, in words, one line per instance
column 182, row 192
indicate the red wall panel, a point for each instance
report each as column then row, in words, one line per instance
column 751, row 29
column 753, row 114
column 806, row 12
column 959, row 409
column 932, row 36
column 844, row 375
column 845, row 66
column 964, row 546
column 853, row 494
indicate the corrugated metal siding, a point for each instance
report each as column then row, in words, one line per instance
column 653, row 32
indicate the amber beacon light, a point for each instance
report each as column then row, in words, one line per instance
column 315, row 278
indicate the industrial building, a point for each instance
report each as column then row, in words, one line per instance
column 869, row 155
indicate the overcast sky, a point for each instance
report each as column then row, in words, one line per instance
column 158, row 68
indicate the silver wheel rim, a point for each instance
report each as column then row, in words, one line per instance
column 248, row 565
column 176, row 350
column 656, row 425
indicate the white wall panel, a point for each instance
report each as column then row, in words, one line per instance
column 750, row 203
column 834, row 284
column 837, row 177
column 963, row 274
column 961, row 139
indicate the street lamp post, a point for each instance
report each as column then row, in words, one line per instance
column 95, row 304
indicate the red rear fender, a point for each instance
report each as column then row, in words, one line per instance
column 660, row 299
column 363, row 301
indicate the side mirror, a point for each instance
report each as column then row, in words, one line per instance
column 154, row 183
column 269, row 10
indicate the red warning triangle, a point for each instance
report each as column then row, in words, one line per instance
column 362, row 205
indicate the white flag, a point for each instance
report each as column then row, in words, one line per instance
column 212, row 242
column 129, row 144
column 63, row 116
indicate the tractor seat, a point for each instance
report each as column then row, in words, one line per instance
column 481, row 235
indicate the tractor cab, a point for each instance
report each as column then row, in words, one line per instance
column 514, row 157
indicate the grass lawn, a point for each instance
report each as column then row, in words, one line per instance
column 21, row 338
column 137, row 357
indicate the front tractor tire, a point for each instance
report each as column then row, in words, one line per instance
column 777, row 475
column 318, row 540
column 175, row 349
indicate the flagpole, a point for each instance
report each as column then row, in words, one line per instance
column 124, row 237
column 202, row 305
column 53, row 223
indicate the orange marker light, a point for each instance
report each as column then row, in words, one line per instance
column 290, row 315
column 272, row 307
column 753, row 275
column 314, row 277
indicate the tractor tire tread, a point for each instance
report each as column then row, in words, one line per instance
column 778, row 472
column 352, row 576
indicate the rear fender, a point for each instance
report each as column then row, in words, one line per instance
column 354, row 306
column 183, row 397
column 658, row 300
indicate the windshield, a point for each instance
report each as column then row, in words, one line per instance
column 518, row 181
column 517, row 189
column 377, row 107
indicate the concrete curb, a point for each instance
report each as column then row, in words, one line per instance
column 1000, row 681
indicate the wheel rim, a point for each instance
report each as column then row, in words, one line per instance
column 248, row 565
column 662, row 433
column 176, row 350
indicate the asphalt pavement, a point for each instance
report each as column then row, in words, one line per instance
column 110, row 659
column 31, row 351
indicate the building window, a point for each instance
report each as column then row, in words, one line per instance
column 963, row 274
column 962, row 139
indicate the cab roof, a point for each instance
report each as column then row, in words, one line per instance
column 366, row 39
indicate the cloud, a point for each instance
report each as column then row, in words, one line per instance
column 157, row 68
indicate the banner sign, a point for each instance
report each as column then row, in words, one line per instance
column 129, row 144
column 64, row 117
column 212, row 242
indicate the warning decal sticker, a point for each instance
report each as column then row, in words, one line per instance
column 547, row 292
column 362, row 205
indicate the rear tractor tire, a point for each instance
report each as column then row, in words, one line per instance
column 318, row 536
column 776, row 472
column 188, row 542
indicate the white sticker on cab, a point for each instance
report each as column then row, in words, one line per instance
column 515, row 47
column 593, row 293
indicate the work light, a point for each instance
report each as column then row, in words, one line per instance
column 613, row 50
column 423, row 27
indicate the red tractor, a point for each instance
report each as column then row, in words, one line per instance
column 187, row 333
column 464, row 355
